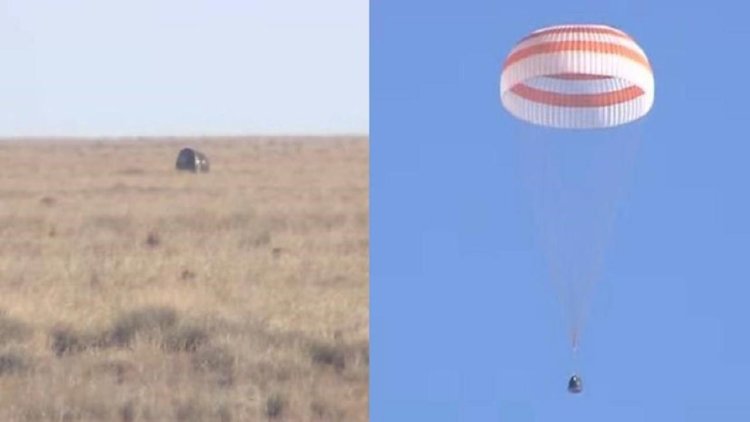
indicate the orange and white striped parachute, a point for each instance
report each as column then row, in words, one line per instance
column 578, row 77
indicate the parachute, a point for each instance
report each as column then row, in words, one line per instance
column 578, row 92
column 577, row 76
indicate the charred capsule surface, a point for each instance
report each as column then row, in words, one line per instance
column 191, row 160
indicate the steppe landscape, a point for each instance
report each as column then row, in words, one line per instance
column 133, row 292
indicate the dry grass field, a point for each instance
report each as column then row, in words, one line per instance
column 132, row 292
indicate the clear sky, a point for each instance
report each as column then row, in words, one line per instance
column 143, row 67
column 466, row 326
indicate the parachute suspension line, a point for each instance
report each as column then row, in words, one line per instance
column 538, row 163
column 619, row 183
column 558, row 215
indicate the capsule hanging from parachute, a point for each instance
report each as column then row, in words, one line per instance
column 575, row 385
column 592, row 78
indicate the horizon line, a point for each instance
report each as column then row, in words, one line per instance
column 176, row 137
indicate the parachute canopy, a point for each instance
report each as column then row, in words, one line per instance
column 577, row 77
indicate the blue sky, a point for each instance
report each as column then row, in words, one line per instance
column 143, row 67
column 465, row 323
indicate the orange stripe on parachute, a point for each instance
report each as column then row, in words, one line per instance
column 582, row 46
column 578, row 76
column 577, row 100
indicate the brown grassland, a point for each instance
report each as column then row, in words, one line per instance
column 133, row 292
